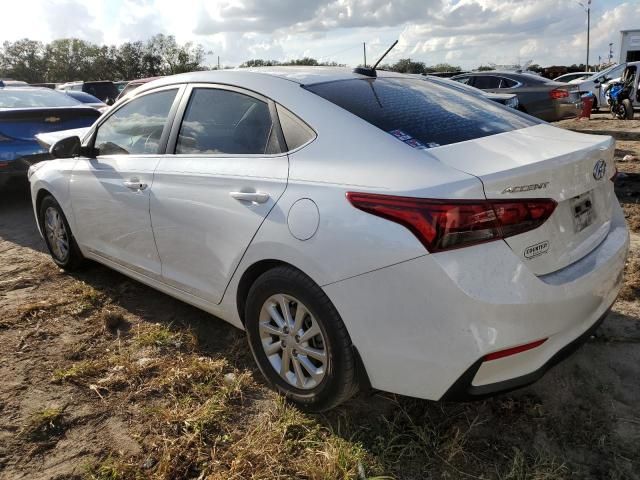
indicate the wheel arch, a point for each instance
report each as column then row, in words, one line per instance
column 42, row 193
column 249, row 276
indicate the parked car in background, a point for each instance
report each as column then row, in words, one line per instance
column 508, row 99
column 88, row 100
column 120, row 84
column 568, row 77
column 133, row 84
column 104, row 90
column 13, row 83
column 27, row 111
column 538, row 96
column 50, row 85
column 384, row 231
column 595, row 84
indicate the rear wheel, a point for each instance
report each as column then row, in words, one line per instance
column 299, row 341
column 57, row 235
column 628, row 109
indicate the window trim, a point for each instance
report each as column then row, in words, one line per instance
column 162, row 144
column 172, row 141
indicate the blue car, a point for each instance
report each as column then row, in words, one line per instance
column 88, row 99
column 26, row 111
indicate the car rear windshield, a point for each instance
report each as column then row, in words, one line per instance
column 422, row 113
column 34, row 98
column 101, row 90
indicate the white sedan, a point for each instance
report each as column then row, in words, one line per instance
column 366, row 231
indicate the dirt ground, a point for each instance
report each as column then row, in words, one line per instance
column 104, row 378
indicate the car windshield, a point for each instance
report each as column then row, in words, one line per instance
column 422, row 113
column 34, row 98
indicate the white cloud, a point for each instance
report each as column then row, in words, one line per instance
column 465, row 32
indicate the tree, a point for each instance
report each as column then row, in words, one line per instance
column 23, row 60
column 445, row 67
column 406, row 65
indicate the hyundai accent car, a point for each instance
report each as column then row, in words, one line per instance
column 366, row 231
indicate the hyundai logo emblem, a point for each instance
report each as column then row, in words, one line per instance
column 599, row 169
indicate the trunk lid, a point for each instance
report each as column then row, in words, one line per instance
column 25, row 123
column 546, row 162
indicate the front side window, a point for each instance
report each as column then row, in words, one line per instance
column 136, row 128
column 225, row 122
column 421, row 113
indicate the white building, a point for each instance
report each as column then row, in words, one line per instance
column 630, row 46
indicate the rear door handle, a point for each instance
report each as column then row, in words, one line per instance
column 256, row 197
column 135, row 185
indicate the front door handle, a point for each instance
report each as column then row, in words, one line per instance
column 255, row 197
column 135, row 185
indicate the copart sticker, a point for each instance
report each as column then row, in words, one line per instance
column 536, row 250
column 412, row 142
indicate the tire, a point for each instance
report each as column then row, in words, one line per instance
column 56, row 232
column 335, row 379
column 628, row 109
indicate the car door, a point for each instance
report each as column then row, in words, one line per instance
column 110, row 190
column 222, row 177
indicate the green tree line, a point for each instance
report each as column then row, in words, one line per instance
column 71, row 59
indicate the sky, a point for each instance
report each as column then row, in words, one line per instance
column 467, row 33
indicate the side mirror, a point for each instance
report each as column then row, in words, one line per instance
column 66, row 148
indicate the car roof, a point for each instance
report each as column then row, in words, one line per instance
column 26, row 88
column 301, row 75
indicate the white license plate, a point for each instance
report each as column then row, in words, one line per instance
column 583, row 213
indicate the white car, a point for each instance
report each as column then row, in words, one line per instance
column 596, row 83
column 572, row 77
column 365, row 231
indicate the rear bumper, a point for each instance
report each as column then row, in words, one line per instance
column 464, row 389
column 422, row 325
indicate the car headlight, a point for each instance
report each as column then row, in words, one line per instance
column 512, row 102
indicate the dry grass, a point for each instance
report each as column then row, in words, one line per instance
column 44, row 425
column 631, row 288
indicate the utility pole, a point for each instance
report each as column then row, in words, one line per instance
column 364, row 51
column 588, row 10
column 610, row 52
column 218, row 62
column 588, row 30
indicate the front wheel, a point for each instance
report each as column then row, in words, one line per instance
column 57, row 235
column 299, row 341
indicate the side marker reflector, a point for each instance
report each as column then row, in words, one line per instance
column 513, row 350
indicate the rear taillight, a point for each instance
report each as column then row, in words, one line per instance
column 446, row 224
column 559, row 93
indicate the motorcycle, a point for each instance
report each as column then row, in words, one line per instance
column 619, row 95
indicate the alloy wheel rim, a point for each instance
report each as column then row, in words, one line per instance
column 56, row 233
column 293, row 341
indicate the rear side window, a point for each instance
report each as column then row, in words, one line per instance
column 225, row 122
column 507, row 83
column 422, row 113
column 296, row 132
